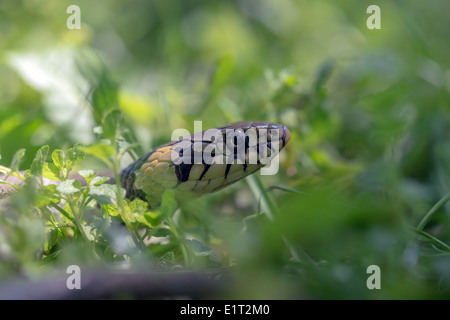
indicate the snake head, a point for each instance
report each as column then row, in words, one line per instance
column 206, row 161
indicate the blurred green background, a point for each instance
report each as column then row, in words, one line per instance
column 368, row 111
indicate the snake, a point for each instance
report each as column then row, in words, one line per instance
column 153, row 173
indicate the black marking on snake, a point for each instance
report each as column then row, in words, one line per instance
column 182, row 171
column 246, row 144
column 204, row 171
column 128, row 177
column 284, row 138
column 257, row 147
column 227, row 170
column 200, row 141
column 246, row 151
column 235, row 153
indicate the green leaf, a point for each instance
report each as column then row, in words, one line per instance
column 112, row 124
column 96, row 181
column 74, row 155
column 168, row 203
column 435, row 241
column 137, row 210
column 59, row 158
column 124, row 146
column 17, row 159
column 52, row 239
column 104, row 95
column 153, row 217
column 160, row 232
column 138, row 206
column 105, row 193
column 101, row 151
column 87, row 174
column 37, row 165
column 51, row 172
column 142, row 220
column 47, row 195
column 69, row 186
column 112, row 210
column 10, row 184
column 50, row 193
column 286, row 189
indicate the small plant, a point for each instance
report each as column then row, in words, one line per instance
column 89, row 208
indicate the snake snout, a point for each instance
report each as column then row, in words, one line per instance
column 282, row 133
